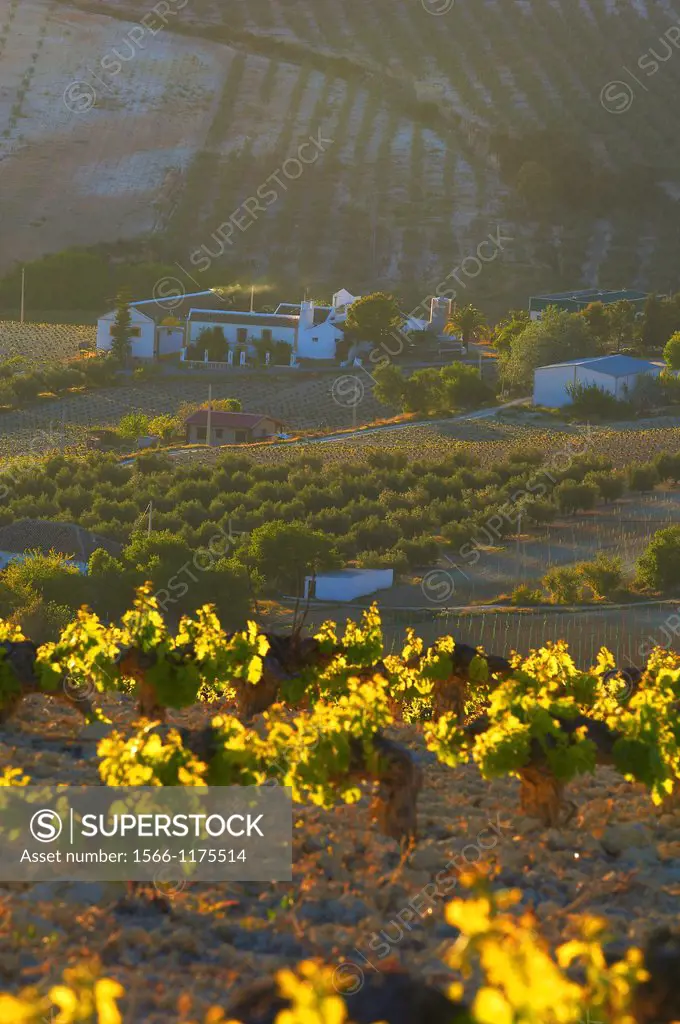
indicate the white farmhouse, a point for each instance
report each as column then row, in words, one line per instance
column 615, row 374
column 310, row 330
column 158, row 326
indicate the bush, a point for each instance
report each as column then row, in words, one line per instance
column 611, row 485
column 668, row 466
column 27, row 386
column 133, row 425
column 642, row 477
column 572, row 497
column 588, row 401
column 420, row 551
column 99, row 371
column 524, row 595
column 394, row 559
column 457, row 534
column 659, row 566
column 58, row 379
column 165, row 427
column 604, row 576
column 563, row 585
column 540, row 512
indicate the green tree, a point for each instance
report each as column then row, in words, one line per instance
column 595, row 315
column 555, row 338
column 469, row 322
column 659, row 566
column 622, row 325
column 134, row 425
column 671, row 352
column 564, row 584
column 508, row 329
column 284, row 553
column 121, row 331
column 609, row 483
column 573, row 497
column 642, row 477
column 390, row 386
column 48, row 575
column 463, row 387
column 213, row 340
column 654, row 323
column 374, row 317
column 165, row 426
column 604, row 576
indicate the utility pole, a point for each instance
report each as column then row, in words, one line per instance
column 150, row 518
column 252, row 298
column 208, row 435
column 23, row 292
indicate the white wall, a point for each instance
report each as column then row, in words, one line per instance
column 625, row 386
column 603, row 381
column 550, row 384
column 622, row 387
column 279, row 333
column 349, row 586
column 170, row 339
column 323, row 347
column 141, row 347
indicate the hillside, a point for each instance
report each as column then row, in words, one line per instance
column 428, row 136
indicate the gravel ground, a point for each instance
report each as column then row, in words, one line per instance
column 619, row 858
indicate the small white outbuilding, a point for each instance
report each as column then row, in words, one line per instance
column 615, row 374
column 347, row 584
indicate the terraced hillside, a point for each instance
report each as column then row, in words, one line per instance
column 416, row 106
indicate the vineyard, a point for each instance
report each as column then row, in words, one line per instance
column 410, row 185
column 76, row 175
column 44, row 344
column 447, row 741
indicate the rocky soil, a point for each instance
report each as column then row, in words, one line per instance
column 352, row 898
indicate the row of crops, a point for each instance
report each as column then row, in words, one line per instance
column 327, row 700
column 406, row 194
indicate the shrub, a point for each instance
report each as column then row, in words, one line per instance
column 524, row 595
column 572, row 497
column 671, row 352
column 588, row 401
column 99, row 371
column 611, row 485
column 668, row 466
column 604, row 575
column 394, row 559
column 133, row 425
column 564, row 584
column 642, row 477
column 457, row 534
column 165, row 427
column 659, row 566
column 539, row 511
column 27, row 386
column 420, row 551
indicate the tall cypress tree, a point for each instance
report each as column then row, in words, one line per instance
column 121, row 332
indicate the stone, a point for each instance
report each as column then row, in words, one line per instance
column 95, row 731
column 428, row 857
column 617, row 838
